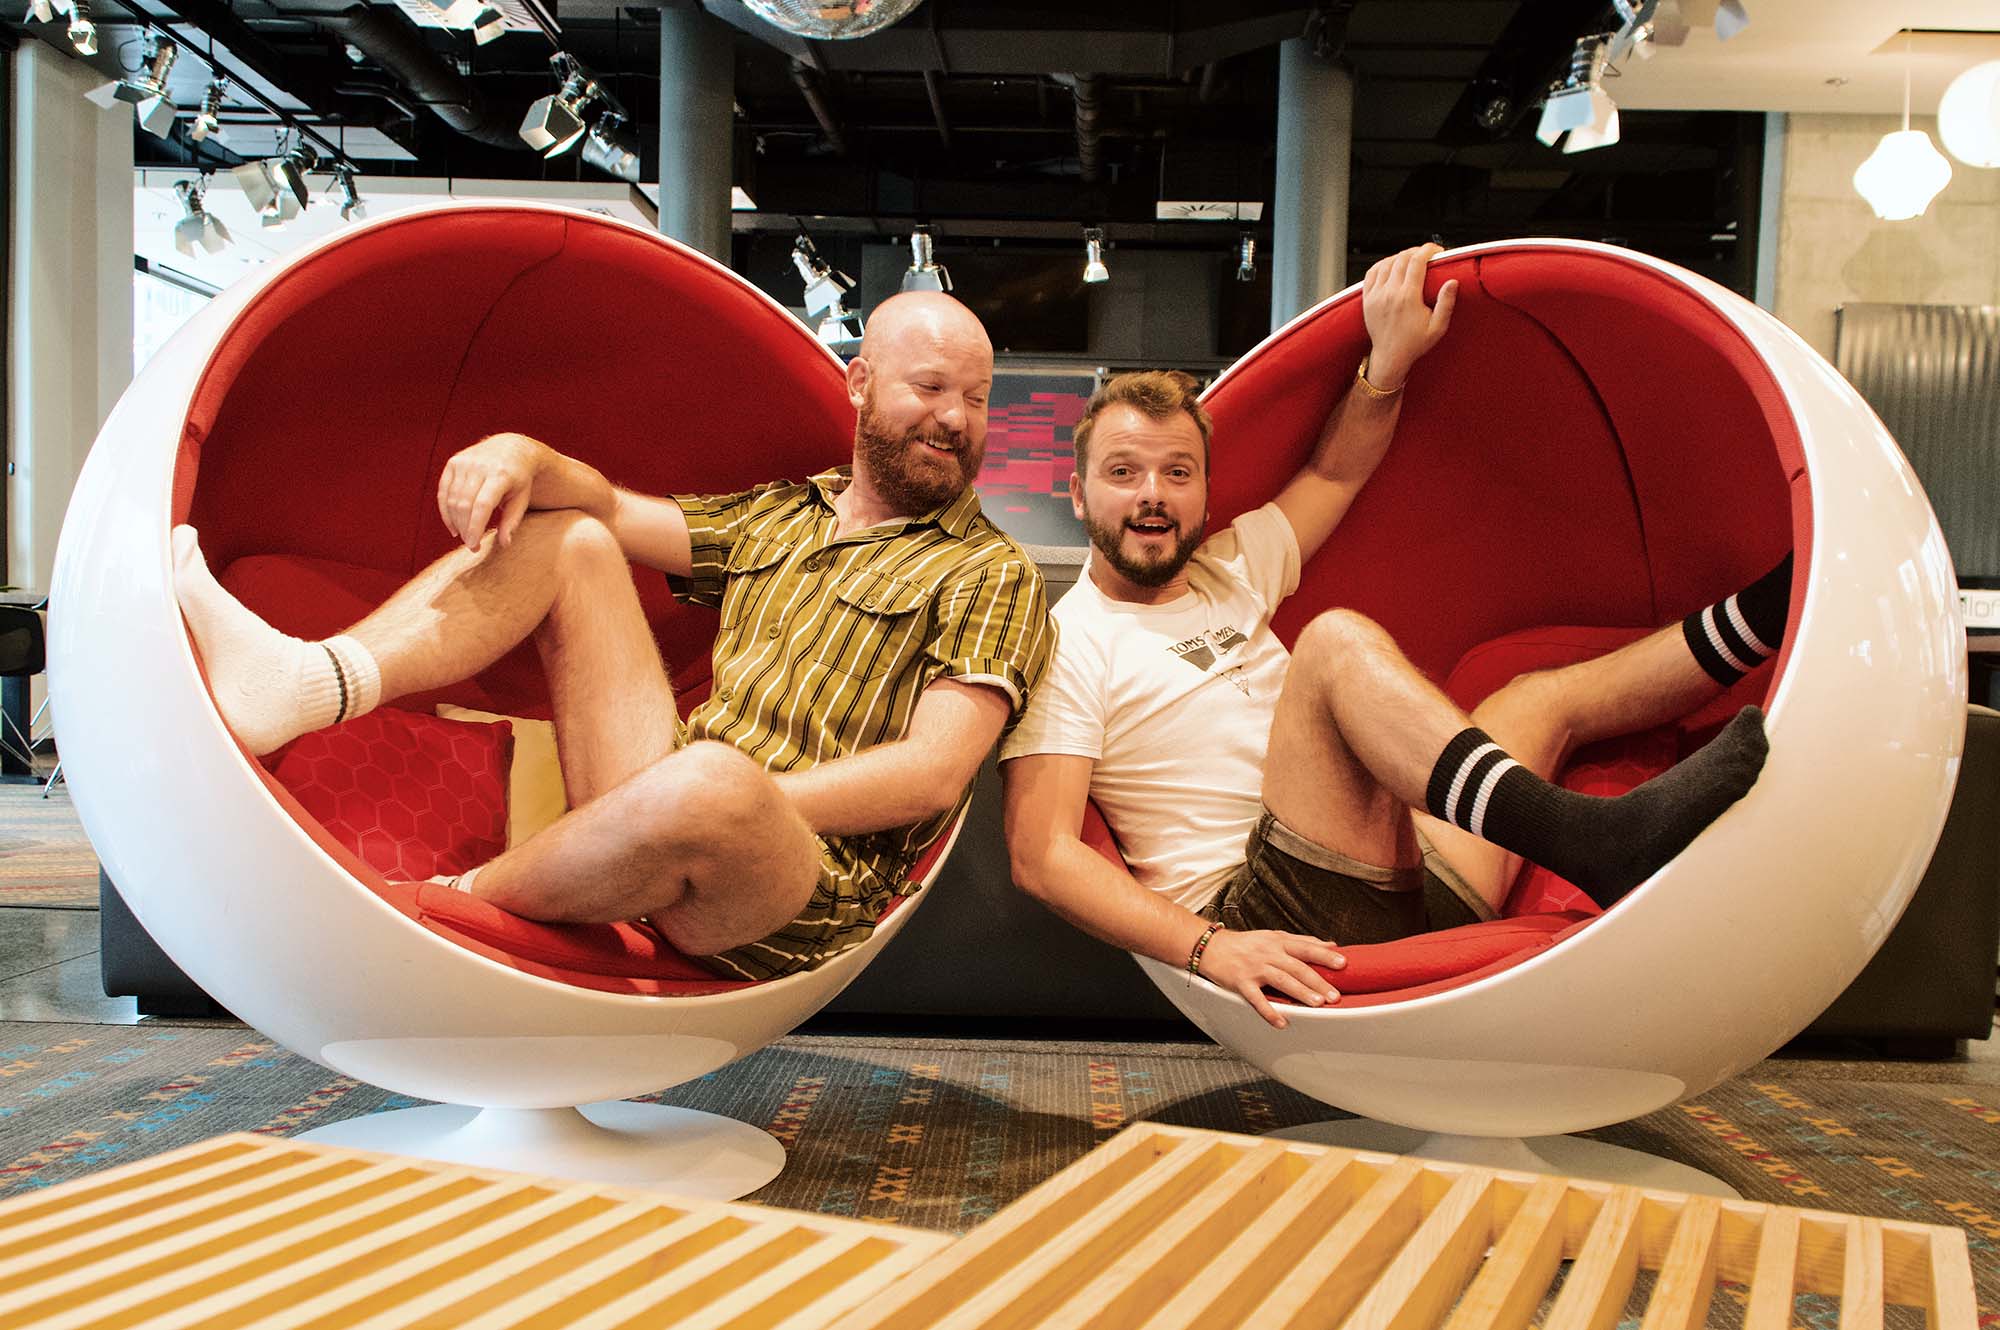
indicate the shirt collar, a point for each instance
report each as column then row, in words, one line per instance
column 954, row 517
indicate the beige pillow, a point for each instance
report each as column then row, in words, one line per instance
column 535, row 794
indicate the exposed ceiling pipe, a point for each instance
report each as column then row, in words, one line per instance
column 1086, row 87
column 934, row 86
column 394, row 97
column 385, row 37
column 304, row 79
column 809, row 88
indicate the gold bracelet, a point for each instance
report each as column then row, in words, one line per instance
column 1369, row 389
column 1201, row 945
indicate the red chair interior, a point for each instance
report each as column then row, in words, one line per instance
column 315, row 497
column 1593, row 447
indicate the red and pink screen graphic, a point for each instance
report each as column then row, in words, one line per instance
column 1024, row 485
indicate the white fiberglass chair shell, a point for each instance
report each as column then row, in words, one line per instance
column 300, row 421
column 1610, row 441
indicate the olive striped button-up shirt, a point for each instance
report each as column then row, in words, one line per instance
column 825, row 646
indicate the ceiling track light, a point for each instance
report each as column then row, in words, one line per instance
column 146, row 91
column 197, row 229
column 482, row 18
column 1246, row 258
column 82, row 32
column 276, row 186
column 925, row 273
column 352, row 208
column 1635, row 31
column 826, row 287
column 555, row 122
column 207, row 122
column 612, row 148
column 1094, row 270
column 1672, row 20
column 1578, row 106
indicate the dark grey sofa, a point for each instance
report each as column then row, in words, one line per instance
column 984, row 954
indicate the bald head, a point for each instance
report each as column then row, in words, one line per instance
column 914, row 321
column 919, row 387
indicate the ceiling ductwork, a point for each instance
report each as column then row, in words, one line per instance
column 387, row 39
column 1086, row 89
column 1149, row 41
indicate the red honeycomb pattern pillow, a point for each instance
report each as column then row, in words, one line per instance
column 413, row 795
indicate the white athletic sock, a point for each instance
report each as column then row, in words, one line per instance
column 360, row 677
column 269, row 687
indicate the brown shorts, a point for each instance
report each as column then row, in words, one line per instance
column 1294, row 885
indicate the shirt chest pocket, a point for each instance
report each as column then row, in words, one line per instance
column 875, row 625
column 753, row 570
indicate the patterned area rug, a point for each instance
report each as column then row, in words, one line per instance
column 44, row 858
column 942, row 1133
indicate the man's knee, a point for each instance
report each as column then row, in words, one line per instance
column 575, row 542
column 1536, row 695
column 702, row 798
column 1336, row 637
column 748, row 859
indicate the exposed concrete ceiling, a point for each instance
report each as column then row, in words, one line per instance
column 966, row 114
column 1835, row 56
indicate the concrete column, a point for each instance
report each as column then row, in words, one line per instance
column 697, row 101
column 70, row 321
column 1770, row 209
column 1315, row 141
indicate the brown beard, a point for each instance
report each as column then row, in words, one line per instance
column 900, row 478
column 1109, row 541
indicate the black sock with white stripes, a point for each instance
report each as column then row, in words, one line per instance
column 1733, row 637
column 1605, row 846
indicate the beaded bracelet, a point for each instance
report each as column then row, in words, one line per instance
column 1201, row 945
column 1379, row 394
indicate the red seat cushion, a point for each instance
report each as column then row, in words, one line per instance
column 414, row 795
column 1450, row 958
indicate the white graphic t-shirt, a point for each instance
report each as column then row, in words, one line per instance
column 1174, row 702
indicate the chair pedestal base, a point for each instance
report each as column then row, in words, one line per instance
column 1566, row 1156
column 648, row 1146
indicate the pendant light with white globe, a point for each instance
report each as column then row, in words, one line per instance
column 1906, row 171
column 1969, row 116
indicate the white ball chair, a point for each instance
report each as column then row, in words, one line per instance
column 1606, row 439
column 300, row 420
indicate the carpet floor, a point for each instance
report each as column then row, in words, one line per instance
column 941, row 1133
column 44, row 859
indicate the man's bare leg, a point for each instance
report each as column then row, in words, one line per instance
column 1386, row 735
column 453, row 619
column 1543, row 717
column 702, row 840
column 1356, row 730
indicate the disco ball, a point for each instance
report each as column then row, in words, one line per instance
column 834, row 20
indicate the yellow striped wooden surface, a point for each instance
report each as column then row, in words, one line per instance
column 248, row 1231
column 1166, row 1228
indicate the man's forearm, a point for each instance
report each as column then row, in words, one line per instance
column 1106, row 902
column 1356, row 437
column 890, row 785
column 561, row 481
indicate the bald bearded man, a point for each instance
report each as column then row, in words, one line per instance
column 878, row 634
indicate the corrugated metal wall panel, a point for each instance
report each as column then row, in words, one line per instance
column 1932, row 372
